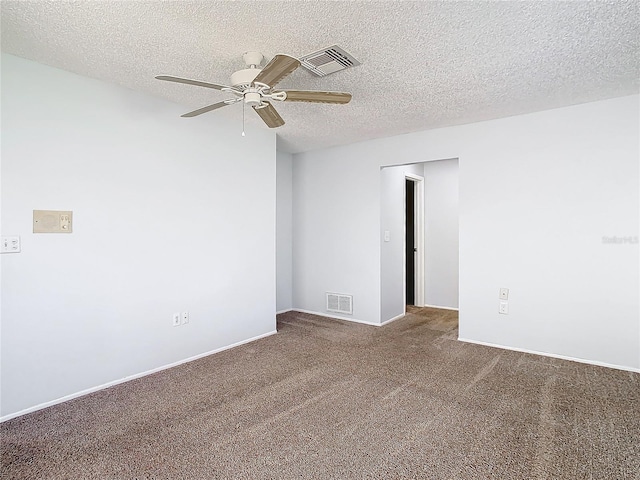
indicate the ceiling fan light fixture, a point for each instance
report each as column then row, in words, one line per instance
column 252, row 98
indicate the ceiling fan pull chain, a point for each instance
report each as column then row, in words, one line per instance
column 243, row 119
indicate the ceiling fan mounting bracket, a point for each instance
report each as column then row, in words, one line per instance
column 280, row 96
column 252, row 59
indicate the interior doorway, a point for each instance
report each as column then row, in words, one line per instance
column 414, row 240
column 409, row 235
column 436, row 237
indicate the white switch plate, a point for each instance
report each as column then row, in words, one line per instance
column 387, row 235
column 504, row 294
column 52, row 221
column 10, row 245
column 176, row 319
column 185, row 317
column 504, row 308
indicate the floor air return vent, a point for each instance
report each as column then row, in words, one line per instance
column 339, row 303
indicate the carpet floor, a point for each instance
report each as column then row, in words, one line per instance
column 327, row 399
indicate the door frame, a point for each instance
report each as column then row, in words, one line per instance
column 418, row 235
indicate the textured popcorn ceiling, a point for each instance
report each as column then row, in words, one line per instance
column 424, row 64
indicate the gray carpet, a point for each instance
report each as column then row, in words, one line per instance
column 326, row 399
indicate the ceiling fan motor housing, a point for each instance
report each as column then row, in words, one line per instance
column 245, row 77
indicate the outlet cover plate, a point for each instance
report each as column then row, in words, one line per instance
column 10, row 245
column 504, row 308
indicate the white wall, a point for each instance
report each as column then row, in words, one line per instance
column 537, row 193
column 392, row 253
column 441, row 233
column 336, row 227
column 284, row 231
column 170, row 214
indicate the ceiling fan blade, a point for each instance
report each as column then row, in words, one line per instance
column 206, row 109
column 270, row 116
column 197, row 83
column 279, row 67
column 317, row 97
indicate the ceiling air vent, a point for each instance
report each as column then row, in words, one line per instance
column 339, row 303
column 330, row 60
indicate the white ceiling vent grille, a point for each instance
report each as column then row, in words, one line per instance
column 330, row 60
column 339, row 303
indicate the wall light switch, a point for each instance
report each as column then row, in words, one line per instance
column 52, row 221
column 504, row 294
column 387, row 235
column 10, row 245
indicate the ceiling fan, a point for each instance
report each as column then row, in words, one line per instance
column 256, row 87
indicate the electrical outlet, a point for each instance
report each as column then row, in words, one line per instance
column 504, row 294
column 10, row 245
column 185, row 318
column 176, row 319
column 504, row 308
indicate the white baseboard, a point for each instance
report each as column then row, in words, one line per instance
column 284, row 311
column 397, row 317
column 553, row 355
column 323, row 314
column 128, row 378
column 442, row 308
